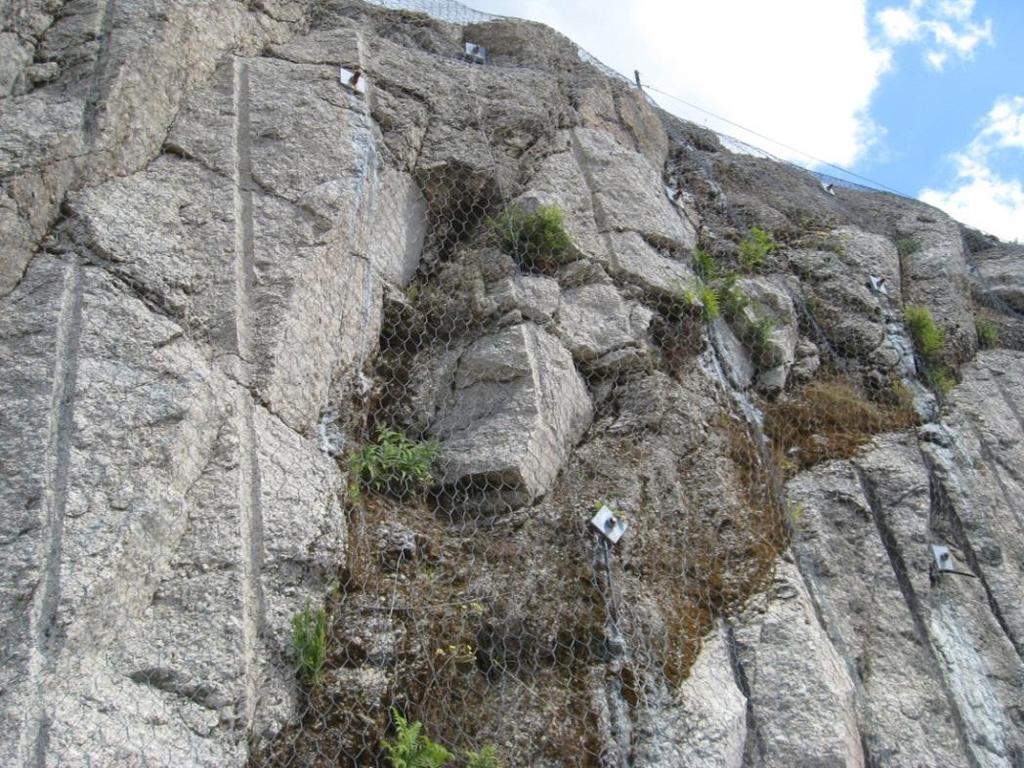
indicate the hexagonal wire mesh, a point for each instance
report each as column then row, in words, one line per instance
column 516, row 388
column 525, row 353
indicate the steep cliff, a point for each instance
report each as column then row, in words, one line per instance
column 281, row 346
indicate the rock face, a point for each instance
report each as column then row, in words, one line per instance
column 222, row 271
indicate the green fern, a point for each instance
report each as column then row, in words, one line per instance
column 487, row 757
column 410, row 748
column 759, row 338
column 702, row 298
column 709, row 301
column 704, row 265
column 755, row 248
column 733, row 299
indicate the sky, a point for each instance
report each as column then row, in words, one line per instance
column 922, row 96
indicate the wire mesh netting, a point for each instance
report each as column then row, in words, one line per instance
column 476, row 599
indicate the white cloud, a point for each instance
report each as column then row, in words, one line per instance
column 899, row 25
column 802, row 71
column 956, row 9
column 944, row 26
column 1004, row 124
column 981, row 196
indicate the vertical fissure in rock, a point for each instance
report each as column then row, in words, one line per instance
column 43, row 616
column 1010, row 403
column 249, row 503
column 753, row 745
column 942, row 509
column 244, row 257
column 899, row 567
column 93, row 105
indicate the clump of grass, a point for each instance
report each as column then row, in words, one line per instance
column 755, row 248
column 941, row 379
column 411, row 748
column 309, row 642
column 929, row 338
column 538, row 240
column 907, row 246
column 988, row 333
column 829, row 419
column 393, row 464
column 930, row 345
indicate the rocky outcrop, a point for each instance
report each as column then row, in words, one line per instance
column 222, row 269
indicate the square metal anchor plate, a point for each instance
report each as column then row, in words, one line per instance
column 609, row 524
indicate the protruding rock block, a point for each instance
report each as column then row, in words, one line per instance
column 636, row 261
column 534, row 296
column 594, row 320
column 768, row 325
column 515, row 409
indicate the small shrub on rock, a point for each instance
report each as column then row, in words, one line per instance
column 907, row 246
column 930, row 345
column 537, row 241
column 393, row 464
column 486, row 757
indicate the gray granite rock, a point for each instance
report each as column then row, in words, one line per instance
column 628, row 193
column 802, row 696
column 534, row 296
column 198, row 224
column 772, row 351
column 636, row 261
column 165, row 529
column 905, row 717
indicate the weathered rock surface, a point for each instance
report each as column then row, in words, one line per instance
column 161, row 525
column 594, row 320
column 841, row 297
column 800, row 692
column 219, row 269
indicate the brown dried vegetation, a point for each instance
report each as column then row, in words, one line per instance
column 830, row 418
